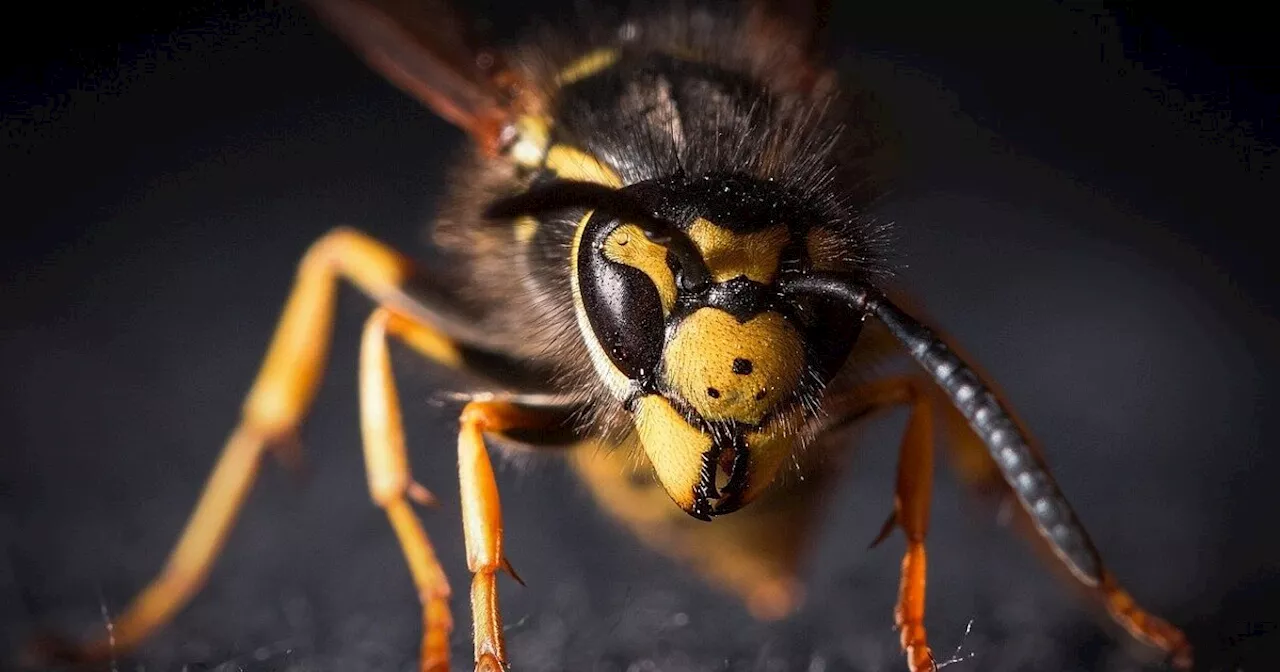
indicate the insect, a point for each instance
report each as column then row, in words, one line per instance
column 663, row 270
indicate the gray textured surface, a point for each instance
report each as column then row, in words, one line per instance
column 1121, row 301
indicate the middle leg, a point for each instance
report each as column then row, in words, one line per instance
column 391, row 484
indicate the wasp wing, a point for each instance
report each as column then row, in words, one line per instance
column 427, row 50
column 792, row 33
column 805, row 22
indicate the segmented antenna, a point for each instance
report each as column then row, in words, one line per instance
column 1021, row 466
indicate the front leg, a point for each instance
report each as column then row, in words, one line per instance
column 1021, row 465
column 482, row 515
column 911, row 513
column 911, row 499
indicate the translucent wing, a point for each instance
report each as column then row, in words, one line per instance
column 799, row 29
column 805, row 20
column 426, row 49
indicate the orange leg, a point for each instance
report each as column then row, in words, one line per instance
column 910, row 504
column 272, row 412
column 1144, row 626
column 976, row 467
column 482, row 517
column 390, row 482
column 391, row 485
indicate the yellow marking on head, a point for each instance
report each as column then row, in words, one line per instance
column 755, row 553
column 613, row 377
column 533, row 134
column 729, row 255
column 729, row 370
column 572, row 163
column 588, row 65
column 525, row 229
column 674, row 447
column 628, row 245
column 824, row 250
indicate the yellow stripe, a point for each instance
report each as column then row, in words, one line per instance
column 525, row 228
column 574, row 164
column 674, row 447
column 533, row 134
column 729, row 255
column 588, row 65
column 628, row 245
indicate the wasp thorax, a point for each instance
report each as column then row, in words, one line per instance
column 731, row 370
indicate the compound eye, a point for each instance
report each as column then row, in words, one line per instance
column 831, row 329
column 620, row 297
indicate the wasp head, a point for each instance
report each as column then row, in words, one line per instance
column 677, row 292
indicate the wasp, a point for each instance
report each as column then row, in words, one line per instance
column 661, row 265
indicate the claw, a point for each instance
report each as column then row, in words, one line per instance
column 920, row 659
column 420, row 495
column 506, row 566
column 287, row 449
column 885, row 530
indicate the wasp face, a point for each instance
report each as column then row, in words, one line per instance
column 692, row 333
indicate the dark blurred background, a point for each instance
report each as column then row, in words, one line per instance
column 1087, row 203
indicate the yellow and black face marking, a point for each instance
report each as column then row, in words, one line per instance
column 730, row 370
column 716, row 370
column 731, row 254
